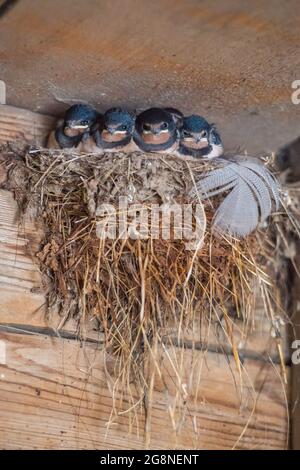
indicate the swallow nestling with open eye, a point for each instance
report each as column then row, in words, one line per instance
column 156, row 131
column 199, row 139
column 114, row 132
column 74, row 128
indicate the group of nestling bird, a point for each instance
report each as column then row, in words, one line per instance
column 162, row 130
column 252, row 188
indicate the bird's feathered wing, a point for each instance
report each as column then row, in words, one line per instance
column 253, row 191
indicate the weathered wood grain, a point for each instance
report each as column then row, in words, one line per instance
column 54, row 394
column 253, row 336
column 23, row 126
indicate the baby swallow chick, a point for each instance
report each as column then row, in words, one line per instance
column 156, row 131
column 115, row 131
column 74, row 128
column 199, row 139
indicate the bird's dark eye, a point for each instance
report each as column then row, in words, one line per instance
column 204, row 134
column 185, row 133
column 84, row 123
column 123, row 127
column 164, row 125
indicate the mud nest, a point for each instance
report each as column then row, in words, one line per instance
column 146, row 296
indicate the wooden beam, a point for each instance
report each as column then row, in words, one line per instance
column 23, row 126
column 54, row 394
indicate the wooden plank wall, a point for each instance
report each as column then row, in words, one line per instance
column 54, row 391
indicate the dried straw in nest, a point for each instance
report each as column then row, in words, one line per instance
column 147, row 294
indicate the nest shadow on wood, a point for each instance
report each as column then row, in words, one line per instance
column 150, row 298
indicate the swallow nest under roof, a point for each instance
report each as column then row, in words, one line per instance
column 143, row 295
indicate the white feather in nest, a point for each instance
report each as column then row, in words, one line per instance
column 253, row 192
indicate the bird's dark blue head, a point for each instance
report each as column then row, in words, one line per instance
column 80, row 117
column 117, row 123
column 194, row 124
column 155, row 126
column 196, row 132
column 199, row 138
